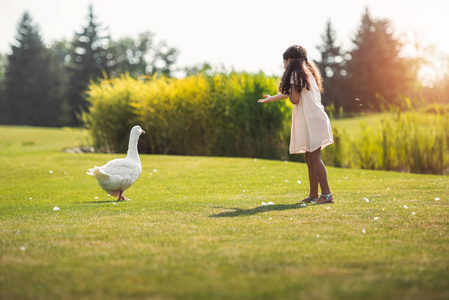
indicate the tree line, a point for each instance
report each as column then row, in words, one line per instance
column 374, row 74
column 45, row 86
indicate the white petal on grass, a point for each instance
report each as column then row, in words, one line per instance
column 263, row 203
column 286, row 180
column 114, row 203
column 376, row 218
column 96, row 198
column 437, row 199
column 366, row 199
column 303, row 205
column 154, row 170
column 51, row 171
column 405, row 206
column 23, row 248
column 299, row 181
column 317, row 235
column 364, row 231
column 413, row 213
column 55, row 208
column 328, row 207
column 31, row 198
column 270, row 219
column 270, row 203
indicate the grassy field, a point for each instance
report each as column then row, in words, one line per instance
column 196, row 229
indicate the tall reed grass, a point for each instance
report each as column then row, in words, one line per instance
column 404, row 141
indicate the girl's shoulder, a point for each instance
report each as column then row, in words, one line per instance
column 311, row 78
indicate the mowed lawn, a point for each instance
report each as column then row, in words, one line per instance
column 196, row 229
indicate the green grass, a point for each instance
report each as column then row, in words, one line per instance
column 352, row 125
column 32, row 139
column 196, row 229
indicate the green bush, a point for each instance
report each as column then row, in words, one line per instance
column 198, row 115
column 334, row 155
column 110, row 114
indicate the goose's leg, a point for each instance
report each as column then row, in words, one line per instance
column 120, row 196
column 124, row 198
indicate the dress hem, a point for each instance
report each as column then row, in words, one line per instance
column 324, row 145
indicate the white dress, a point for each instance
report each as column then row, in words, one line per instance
column 311, row 128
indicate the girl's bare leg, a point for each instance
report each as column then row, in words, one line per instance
column 313, row 180
column 320, row 173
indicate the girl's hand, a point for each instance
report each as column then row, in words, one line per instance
column 266, row 98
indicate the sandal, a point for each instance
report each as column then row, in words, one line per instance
column 309, row 199
column 327, row 198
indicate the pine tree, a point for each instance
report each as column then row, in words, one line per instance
column 3, row 62
column 60, row 54
column 331, row 68
column 31, row 87
column 3, row 111
column 89, row 60
column 377, row 73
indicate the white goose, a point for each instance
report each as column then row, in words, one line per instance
column 119, row 174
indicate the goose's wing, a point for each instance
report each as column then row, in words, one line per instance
column 121, row 167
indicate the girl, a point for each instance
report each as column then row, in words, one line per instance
column 311, row 129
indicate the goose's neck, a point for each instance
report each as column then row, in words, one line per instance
column 132, row 148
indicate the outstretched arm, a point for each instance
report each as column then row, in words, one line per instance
column 268, row 98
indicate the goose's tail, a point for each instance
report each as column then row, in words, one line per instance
column 96, row 172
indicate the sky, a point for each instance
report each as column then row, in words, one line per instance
column 243, row 35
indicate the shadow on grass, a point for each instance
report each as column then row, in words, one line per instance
column 97, row 202
column 260, row 209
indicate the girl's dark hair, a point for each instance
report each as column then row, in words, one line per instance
column 298, row 69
